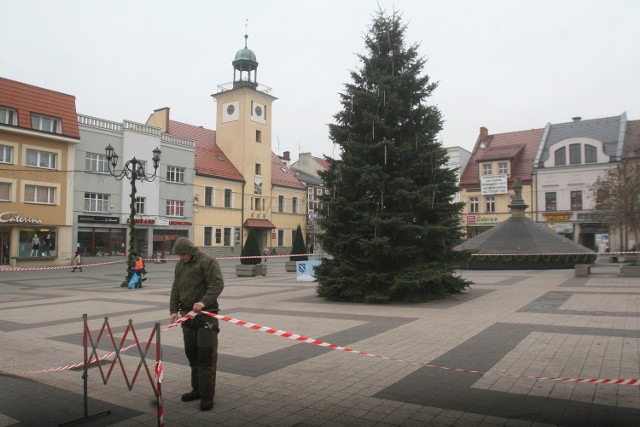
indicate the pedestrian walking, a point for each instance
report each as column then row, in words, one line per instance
column 77, row 261
column 197, row 284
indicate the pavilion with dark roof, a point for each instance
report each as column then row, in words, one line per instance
column 519, row 243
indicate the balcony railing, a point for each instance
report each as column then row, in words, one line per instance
column 99, row 123
column 228, row 86
column 138, row 127
column 176, row 140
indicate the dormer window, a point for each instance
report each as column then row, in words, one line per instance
column 502, row 168
column 590, row 154
column 46, row 123
column 486, row 169
column 575, row 154
column 561, row 156
column 8, row 116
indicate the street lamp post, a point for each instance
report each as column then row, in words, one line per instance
column 133, row 170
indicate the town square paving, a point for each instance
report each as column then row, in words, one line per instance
column 509, row 328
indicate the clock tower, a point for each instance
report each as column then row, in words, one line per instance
column 243, row 131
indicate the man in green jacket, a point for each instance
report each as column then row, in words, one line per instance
column 196, row 286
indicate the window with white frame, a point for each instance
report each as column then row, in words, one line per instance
column 5, row 191
column 318, row 191
column 141, row 205
column 6, row 154
column 175, row 208
column 280, row 237
column 208, row 196
column 46, row 123
column 95, row 202
column 502, row 168
column 294, row 205
column 281, row 206
column 41, row 159
column 175, row 174
column 486, row 169
column 39, row 194
column 490, row 203
column 218, row 236
column 96, row 162
column 228, row 198
column 474, row 205
column 550, row 201
column 8, row 116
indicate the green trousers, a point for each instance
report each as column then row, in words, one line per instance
column 201, row 347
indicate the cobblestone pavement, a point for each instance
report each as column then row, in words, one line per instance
column 510, row 326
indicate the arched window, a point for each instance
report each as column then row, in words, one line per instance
column 575, row 155
column 590, row 154
column 561, row 156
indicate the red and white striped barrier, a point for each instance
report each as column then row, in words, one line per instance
column 313, row 341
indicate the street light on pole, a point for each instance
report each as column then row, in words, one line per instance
column 133, row 170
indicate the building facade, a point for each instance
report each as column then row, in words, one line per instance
column 38, row 135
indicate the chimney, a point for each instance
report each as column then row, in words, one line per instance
column 286, row 155
column 576, row 119
column 484, row 134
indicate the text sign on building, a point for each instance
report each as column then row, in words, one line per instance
column 95, row 219
column 493, row 184
column 557, row 216
column 480, row 220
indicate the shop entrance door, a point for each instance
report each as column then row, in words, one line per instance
column 4, row 247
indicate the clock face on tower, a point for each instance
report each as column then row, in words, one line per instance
column 258, row 113
column 230, row 111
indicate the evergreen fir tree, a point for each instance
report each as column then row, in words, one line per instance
column 389, row 221
column 251, row 248
column 298, row 247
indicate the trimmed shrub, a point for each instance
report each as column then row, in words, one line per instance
column 251, row 248
column 298, row 247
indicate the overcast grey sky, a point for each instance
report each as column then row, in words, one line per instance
column 507, row 65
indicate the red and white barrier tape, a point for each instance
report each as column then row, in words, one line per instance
column 63, row 267
column 556, row 253
column 313, row 341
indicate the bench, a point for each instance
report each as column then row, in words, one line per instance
column 583, row 270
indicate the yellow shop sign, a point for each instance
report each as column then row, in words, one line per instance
column 557, row 216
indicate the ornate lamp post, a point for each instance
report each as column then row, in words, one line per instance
column 133, row 170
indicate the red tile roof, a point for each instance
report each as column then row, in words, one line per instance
column 27, row 99
column 520, row 147
column 282, row 176
column 322, row 162
column 210, row 160
column 258, row 223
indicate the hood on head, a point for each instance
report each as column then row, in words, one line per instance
column 183, row 246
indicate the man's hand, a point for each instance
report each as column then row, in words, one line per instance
column 197, row 307
column 174, row 317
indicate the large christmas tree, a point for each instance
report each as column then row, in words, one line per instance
column 389, row 221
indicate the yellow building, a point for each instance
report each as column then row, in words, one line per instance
column 240, row 183
column 487, row 182
column 38, row 135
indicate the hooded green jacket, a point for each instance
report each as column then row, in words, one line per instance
column 199, row 280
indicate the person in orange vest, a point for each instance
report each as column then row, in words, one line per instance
column 138, row 266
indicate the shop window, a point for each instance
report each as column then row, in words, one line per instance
column 37, row 242
column 550, row 202
column 101, row 241
column 6, row 154
column 39, row 194
column 576, row 200
column 41, row 159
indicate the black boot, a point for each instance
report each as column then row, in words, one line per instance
column 206, row 404
column 191, row 396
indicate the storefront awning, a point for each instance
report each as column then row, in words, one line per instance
column 258, row 223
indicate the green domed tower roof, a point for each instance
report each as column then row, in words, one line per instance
column 245, row 67
column 245, row 54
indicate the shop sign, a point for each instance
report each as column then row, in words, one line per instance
column 561, row 227
column 96, row 219
column 481, row 220
column 142, row 221
column 493, row 184
column 15, row 218
column 557, row 216
column 180, row 223
column 585, row 217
